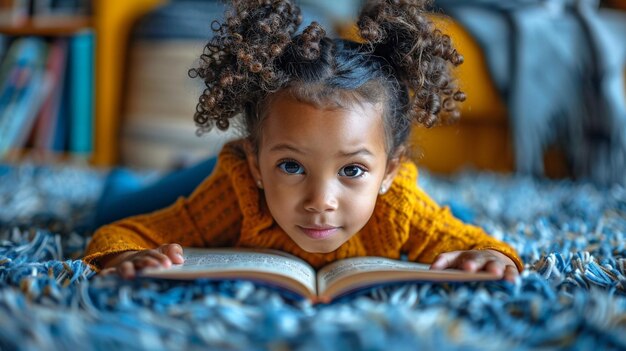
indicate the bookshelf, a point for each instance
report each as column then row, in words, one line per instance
column 50, row 26
column 111, row 22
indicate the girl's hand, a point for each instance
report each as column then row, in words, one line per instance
column 478, row 260
column 128, row 263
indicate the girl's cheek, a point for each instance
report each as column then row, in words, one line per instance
column 283, row 179
column 364, row 186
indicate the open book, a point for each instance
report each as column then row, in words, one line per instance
column 280, row 269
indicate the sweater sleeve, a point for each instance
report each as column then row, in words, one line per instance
column 434, row 230
column 209, row 217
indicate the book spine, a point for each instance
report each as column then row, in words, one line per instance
column 26, row 98
column 10, row 69
column 81, row 92
column 4, row 44
column 15, row 105
column 7, row 104
column 29, row 105
column 49, row 113
column 60, row 142
column 6, row 94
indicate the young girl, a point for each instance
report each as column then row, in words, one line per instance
column 321, row 172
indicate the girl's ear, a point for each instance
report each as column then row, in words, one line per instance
column 253, row 160
column 392, row 169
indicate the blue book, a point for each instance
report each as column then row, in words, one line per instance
column 60, row 138
column 9, row 84
column 9, row 51
column 22, row 98
column 29, row 100
column 81, row 91
column 4, row 45
column 47, row 118
column 10, row 69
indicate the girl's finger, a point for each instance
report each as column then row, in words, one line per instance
column 471, row 263
column 495, row 267
column 174, row 252
column 126, row 270
column 445, row 260
column 510, row 273
column 146, row 261
column 161, row 258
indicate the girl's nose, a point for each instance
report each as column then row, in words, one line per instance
column 321, row 198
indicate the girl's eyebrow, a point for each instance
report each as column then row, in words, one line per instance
column 286, row 147
column 361, row 151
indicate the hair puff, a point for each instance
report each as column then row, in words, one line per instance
column 240, row 58
column 401, row 31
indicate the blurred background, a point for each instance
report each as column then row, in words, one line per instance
column 105, row 82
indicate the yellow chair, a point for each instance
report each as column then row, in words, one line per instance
column 481, row 139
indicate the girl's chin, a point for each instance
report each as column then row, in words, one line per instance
column 318, row 250
column 320, row 246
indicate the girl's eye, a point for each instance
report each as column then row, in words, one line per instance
column 291, row 167
column 351, row 171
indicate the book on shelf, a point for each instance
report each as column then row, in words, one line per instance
column 8, row 70
column 290, row 273
column 28, row 106
column 61, row 128
column 60, row 8
column 20, row 99
column 46, row 94
column 19, row 12
column 81, row 78
column 48, row 119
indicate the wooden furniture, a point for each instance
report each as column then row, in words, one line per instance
column 111, row 21
column 481, row 139
column 52, row 26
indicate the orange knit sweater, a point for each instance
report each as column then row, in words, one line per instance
column 227, row 209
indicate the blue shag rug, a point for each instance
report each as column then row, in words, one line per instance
column 571, row 296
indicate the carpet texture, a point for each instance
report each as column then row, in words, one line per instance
column 571, row 296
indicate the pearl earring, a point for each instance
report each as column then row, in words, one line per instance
column 382, row 190
column 259, row 184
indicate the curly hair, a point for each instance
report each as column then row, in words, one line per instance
column 256, row 54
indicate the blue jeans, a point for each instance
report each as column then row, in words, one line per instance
column 124, row 195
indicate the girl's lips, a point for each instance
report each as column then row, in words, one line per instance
column 319, row 233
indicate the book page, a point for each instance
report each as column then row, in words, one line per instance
column 341, row 269
column 207, row 263
column 352, row 273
